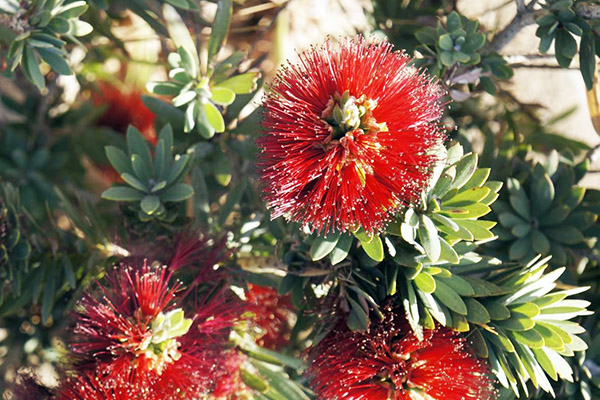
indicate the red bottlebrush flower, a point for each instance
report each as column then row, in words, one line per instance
column 229, row 379
column 388, row 362
column 200, row 255
column 87, row 386
column 271, row 313
column 124, row 108
column 131, row 329
column 348, row 136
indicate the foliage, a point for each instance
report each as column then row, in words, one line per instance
column 41, row 25
column 501, row 246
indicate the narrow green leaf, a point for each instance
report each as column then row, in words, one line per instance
column 177, row 192
column 449, row 298
column 178, row 31
column 476, row 312
column 118, row 159
column 220, row 27
column 342, row 248
column 429, row 239
column 55, row 61
column 32, row 68
column 323, row 245
column 122, row 193
column 587, row 59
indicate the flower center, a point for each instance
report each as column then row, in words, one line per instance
column 346, row 114
column 162, row 347
column 354, row 129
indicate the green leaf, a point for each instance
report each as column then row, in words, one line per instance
column 118, row 159
column 136, row 144
column 222, row 96
column 428, row 237
column 374, row 248
column 122, row 193
column 565, row 234
column 530, row 338
column 358, row 320
column 521, row 230
column 233, row 198
column 425, row 282
column 445, row 42
column 59, row 25
column 220, row 27
column 480, row 230
column 467, row 197
column 71, row 10
column 150, row 204
column 546, row 42
column 555, row 216
column 465, row 168
column 323, row 245
column 79, row 28
column 476, row 312
column 241, row 84
column 204, row 127
column 184, row 98
column 497, row 311
column 542, row 194
column 55, row 61
column 214, row 117
column 191, row 115
column 135, row 182
column 178, row 168
column 453, row 22
column 342, row 248
column 471, row 211
column 177, row 192
column 458, row 284
column 539, row 243
column 447, row 252
column 516, row 322
column 449, row 298
column 140, row 169
column 164, row 88
column 587, row 59
column 165, row 111
column 566, row 48
column 178, row 31
column 31, row 68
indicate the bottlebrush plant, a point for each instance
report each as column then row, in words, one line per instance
column 179, row 219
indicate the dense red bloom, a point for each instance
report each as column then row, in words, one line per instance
column 271, row 313
column 388, row 362
column 132, row 332
column 87, row 386
column 348, row 136
column 124, row 108
column 200, row 255
column 229, row 377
